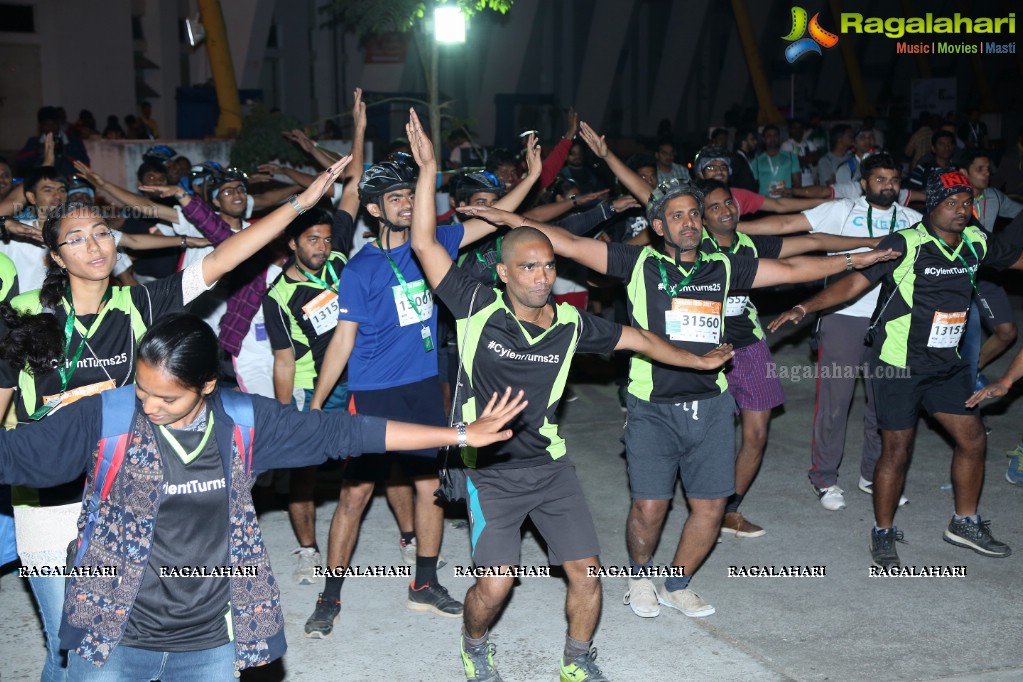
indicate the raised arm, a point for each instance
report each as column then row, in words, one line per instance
column 474, row 230
column 274, row 196
column 433, row 257
column 148, row 242
column 307, row 145
column 136, row 201
column 654, row 347
column 800, row 269
column 235, row 250
column 628, row 177
column 793, row 246
column 583, row 250
column 777, row 224
column 353, row 173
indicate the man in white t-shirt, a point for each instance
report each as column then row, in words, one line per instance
column 45, row 188
column 841, row 333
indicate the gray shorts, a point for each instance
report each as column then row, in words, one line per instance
column 694, row 440
column 550, row 495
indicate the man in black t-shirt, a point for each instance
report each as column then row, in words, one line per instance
column 915, row 332
column 680, row 420
column 518, row 337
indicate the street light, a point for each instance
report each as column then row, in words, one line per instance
column 448, row 25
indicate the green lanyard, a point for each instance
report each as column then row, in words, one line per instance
column 66, row 370
column 319, row 282
column 735, row 242
column 672, row 291
column 425, row 332
column 485, row 264
column 870, row 222
column 959, row 256
column 188, row 457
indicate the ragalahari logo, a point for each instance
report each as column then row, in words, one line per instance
column 802, row 46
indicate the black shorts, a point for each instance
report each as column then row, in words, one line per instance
column 419, row 403
column 898, row 398
column 549, row 494
column 998, row 302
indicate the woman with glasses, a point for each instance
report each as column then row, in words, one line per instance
column 78, row 336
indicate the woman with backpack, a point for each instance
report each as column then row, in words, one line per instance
column 172, row 461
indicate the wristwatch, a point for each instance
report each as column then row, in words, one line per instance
column 463, row 439
column 293, row 200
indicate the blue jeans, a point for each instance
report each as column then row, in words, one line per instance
column 130, row 664
column 49, row 594
column 337, row 401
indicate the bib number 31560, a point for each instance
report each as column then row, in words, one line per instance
column 693, row 320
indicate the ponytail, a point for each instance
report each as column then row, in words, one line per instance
column 33, row 342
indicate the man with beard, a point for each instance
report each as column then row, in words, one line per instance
column 840, row 331
column 925, row 295
column 753, row 386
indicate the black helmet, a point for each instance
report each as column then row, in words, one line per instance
column 161, row 153
column 199, row 174
column 467, row 184
column 218, row 179
column 398, row 171
column 79, row 185
column 712, row 153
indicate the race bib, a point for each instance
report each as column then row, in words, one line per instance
column 735, row 305
column 322, row 312
column 59, row 400
column 946, row 329
column 421, row 295
column 693, row 320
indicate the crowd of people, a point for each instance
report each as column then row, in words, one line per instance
column 148, row 338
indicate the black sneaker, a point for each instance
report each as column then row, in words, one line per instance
column 975, row 536
column 882, row 547
column 433, row 598
column 321, row 623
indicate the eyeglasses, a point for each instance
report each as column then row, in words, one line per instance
column 716, row 168
column 228, row 191
column 101, row 237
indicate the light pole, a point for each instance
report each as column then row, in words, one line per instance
column 448, row 28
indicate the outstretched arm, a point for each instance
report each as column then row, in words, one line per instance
column 241, row 246
column 486, row 430
column 793, row 246
column 800, row 269
column 628, row 177
column 656, row 348
column 433, row 257
column 586, row 251
column 790, row 205
column 777, row 224
column 136, row 201
column 845, row 289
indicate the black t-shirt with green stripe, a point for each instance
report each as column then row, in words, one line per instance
column 693, row 318
column 288, row 326
column 742, row 326
column 926, row 293
column 499, row 350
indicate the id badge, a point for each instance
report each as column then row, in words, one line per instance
column 45, row 408
column 986, row 308
column 427, row 339
column 261, row 332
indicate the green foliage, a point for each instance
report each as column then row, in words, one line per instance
column 368, row 17
column 260, row 140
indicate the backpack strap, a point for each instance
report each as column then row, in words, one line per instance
column 239, row 408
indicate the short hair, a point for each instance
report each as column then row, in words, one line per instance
column 150, row 166
column 40, row 173
column 709, row 185
column 314, row 216
column 875, row 161
column 47, row 114
column 771, row 126
column 968, row 157
column 940, row 134
column 837, row 131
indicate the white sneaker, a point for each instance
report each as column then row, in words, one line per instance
column 642, row 597
column 305, row 568
column 686, row 601
column 868, row 487
column 831, row 497
column 408, row 554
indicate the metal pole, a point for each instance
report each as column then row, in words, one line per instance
column 768, row 112
column 219, row 51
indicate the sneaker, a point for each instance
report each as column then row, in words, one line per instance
column 738, row 525
column 868, row 487
column 433, row 598
column 478, row 662
column 305, row 568
column 582, row 667
column 408, row 553
column 882, row 547
column 321, row 623
column 1014, row 474
column 686, row 601
column 831, row 497
column 642, row 597
column 975, row 536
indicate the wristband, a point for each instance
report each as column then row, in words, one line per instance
column 5, row 234
column 293, row 200
column 848, row 262
column 1005, row 382
column 801, row 308
column 463, row 439
column 184, row 243
column 574, row 202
